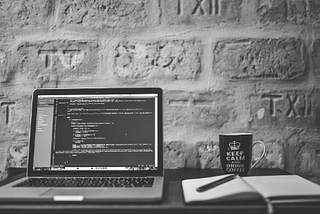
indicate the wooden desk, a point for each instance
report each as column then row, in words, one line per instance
column 172, row 201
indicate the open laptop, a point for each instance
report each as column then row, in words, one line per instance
column 93, row 145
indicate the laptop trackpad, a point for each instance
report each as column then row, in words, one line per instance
column 66, row 194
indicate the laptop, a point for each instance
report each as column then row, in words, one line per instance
column 100, row 144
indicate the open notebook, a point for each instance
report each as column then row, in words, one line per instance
column 276, row 188
column 97, row 144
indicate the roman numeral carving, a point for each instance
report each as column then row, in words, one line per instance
column 298, row 105
column 202, row 7
column 199, row 7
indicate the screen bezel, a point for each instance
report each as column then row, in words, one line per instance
column 87, row 91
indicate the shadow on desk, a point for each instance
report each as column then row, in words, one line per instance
column 172, row 202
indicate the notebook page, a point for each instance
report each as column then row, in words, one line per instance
column 283, row 186
column 234, row 190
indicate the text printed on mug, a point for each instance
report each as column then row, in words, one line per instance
column 234, row 156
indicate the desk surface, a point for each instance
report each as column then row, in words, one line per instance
column 172, row 201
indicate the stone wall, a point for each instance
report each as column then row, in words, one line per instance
column 224, row 66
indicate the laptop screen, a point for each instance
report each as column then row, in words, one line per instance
column 96, row 132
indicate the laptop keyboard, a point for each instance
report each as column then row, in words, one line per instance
column 88, row 182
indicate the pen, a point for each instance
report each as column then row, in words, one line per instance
column 216, row 183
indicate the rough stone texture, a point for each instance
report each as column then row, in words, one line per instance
column 3, row 159
column 17, row 154
column 302, row 154
column 101, row 13
column 200, row 12
column 297, row 12
column 13, row 153
column 259, row 58
column 272, row 10
column 3, row 63
column 274, row 154
column 205, row 110
column 174, row 155
column 308, row 162
column 175, row 60
column 208, row 155
column 314, row 12
column 48, row 61
column 23, row 13
column 289, row 11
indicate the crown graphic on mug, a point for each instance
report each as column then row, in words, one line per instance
column 234, row 145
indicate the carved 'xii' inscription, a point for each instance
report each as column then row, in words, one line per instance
column 201, row 12
column 289, row 105
column 200, row 7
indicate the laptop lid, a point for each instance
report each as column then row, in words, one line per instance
column 96, row 132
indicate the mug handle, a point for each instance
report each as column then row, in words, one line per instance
column 263, row 153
